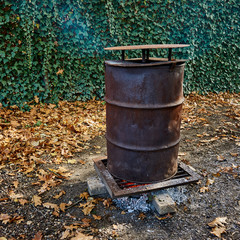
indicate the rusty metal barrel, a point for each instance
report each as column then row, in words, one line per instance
column 143, row 115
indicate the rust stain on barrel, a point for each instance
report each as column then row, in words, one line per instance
column 144, row 104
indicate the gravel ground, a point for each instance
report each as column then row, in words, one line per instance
column 210, row 145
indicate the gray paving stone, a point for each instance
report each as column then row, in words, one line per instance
column 163, row 203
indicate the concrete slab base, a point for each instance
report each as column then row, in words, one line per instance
column 163, row 203
column 96, row 186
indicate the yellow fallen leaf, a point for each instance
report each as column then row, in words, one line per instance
column 72, row 161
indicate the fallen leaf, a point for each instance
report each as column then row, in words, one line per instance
column 38, row 236
column 81, row 236
column 14, row 195
column 141, row 216
column 234, row 154
column 51, row 205
column 218, row 226
column 62, row 206
column 220, row 158
column 219, row 221
column 217, row 231
column 203, row 189
column 5, row 218
column 84, row 195
column 65, row 234
column 36, row 99
column 59, row 195
column 15, row 184
column 23, row 201
column 37, row 200
column 81, row 161
column 3, row 238
column 72, row 161
column 96, row 217
column 209, row 181
column 163, row 218
column 86, row 222
column 107, row 202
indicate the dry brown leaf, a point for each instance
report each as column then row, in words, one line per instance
column 203, row 189
column 84, row 195
column 37, row 200
column 220, row 158
column 96, row 217
column 219, row 221
column 62, row 206
column 3, row 238
column 5, row 218
column 60, row 71
column 15, row 184
column 81, row 161
column 51, row 205
column 107, row 202
column 86, row 222
column 209, row 181
column 23, row 201
column 163, row 218
column 234, row 154
column 36, row 99
column 141, row 216
column 87, row 207
column 217, row 231
column 14, row 195
column 81, row 236
column 65, row 234
column 59, row 195
column 38, row 236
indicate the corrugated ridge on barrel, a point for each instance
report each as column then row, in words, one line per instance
column 143, row 120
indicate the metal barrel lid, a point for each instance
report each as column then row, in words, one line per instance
column 145, row 49
column 151, row 46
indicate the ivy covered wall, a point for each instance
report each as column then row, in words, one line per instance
column 53, row 49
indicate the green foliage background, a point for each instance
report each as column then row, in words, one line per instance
column 40, row 37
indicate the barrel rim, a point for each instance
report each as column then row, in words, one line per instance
column 130, row 64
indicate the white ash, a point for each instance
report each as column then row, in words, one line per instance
column 131, row 204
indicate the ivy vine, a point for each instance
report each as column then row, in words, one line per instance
column 54, row 49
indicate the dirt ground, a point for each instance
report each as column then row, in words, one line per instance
column 210, row 143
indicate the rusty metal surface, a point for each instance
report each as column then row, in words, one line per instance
column 120, row 188
column 153, row 46
column 131, row 63
column 143, row 121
